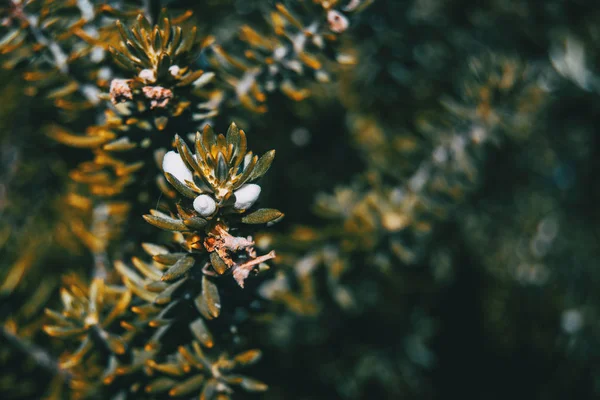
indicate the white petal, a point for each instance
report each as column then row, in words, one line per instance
column 173, row 164
column 246, row 196
column 204, row 205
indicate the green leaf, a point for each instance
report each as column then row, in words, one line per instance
column 210, row 389
column 174, row 44
column 247, row 171
column 136, row 51
column 163, row 20
column 263, row 165
column 222, row 170
column 240, row 150
column 147, row 270
column 172, row 369
column 247, row 357
column 217, row 263
column 160, row 385
column 185, row 153
column 187, row 42
column 168, row 258
column 262, row 216
column 115, row 343
column 157, row 39
column 190, row 78
column 209, row 139
column 165, row 296
column 143, row 23
column 121, row 59
column 233, row 135
column 122, row 144
column 180, row 186
column 195, row 223
column 202, row 307
column 62, row 332
column 166, row 223
column 124, row 32
column 253, row 385
column 182, row 266
column 164, row 62
column 161, row 122
column 156, row 287
column 201, row 332
column 211, row 296
column 188, row 386
column 154, row 249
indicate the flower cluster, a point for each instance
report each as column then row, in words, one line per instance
column 216, row 190
column 161, row 56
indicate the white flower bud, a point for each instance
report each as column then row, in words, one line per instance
column 204, row 205
column 147, row 75
column 173, row 164
column 174, row 70
column 246, row 196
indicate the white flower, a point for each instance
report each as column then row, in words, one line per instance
column 173, row 164
column 147, row 75
column 204, row 205
column 246, row 196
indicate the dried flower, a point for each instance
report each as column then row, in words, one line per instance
column 159, row 96
column 120, row 91
column 338, row 23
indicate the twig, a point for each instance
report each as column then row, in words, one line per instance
column 38, row 354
